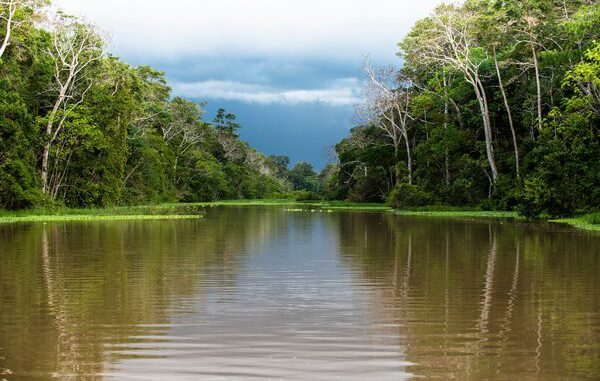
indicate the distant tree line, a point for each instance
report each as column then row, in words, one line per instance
column 497, row 105
column 81, row 128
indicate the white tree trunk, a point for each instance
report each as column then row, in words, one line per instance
column 446, row 120
column 12, row 8
column 487, row 125
column 409, row 160
column 510, row 117
column 75, row 47
column 538, row 84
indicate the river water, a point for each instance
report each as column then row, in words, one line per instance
column 261, row 293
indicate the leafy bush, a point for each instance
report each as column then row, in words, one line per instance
column 534, row 198
column 407, row 196
column 304, row 195
column 593, row 218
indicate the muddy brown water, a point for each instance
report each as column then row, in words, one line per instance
column 259, row 293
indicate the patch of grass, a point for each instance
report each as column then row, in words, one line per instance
column 275, row 202
column 83, row 217
column 587, row 222
column 333, row 205
column 346, row 205
column 154, row 212
column 458, row 213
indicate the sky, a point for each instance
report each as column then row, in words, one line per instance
column 289, row 69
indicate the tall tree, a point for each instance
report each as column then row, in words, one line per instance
column 448, row 39
column 76, row 45
column 14, row 13
column 387, row 106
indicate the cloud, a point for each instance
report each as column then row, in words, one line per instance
column 336, row 29
column 341, row 92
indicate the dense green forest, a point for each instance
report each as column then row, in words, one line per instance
column 497, row 105
column 81, row 128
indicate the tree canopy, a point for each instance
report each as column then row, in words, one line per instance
column 502, row 101
column 79, row 127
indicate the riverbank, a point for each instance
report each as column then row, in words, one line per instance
column 169, row 211
column 154, row 212
column 303, row 205
column 589, row 222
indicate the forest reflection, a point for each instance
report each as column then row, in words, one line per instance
column 481, row 299
column 250, row 290
column 73, row 292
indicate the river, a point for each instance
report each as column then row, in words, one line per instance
column 261, row 293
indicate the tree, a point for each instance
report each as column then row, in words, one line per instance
column 447, row 39
column 387, row 106
column 13, row 13
column 76, row 45
column 185, row 130
column 304, row 177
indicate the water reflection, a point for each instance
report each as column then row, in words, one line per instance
column 482, row 300
column 259, row 293
column 71, row 292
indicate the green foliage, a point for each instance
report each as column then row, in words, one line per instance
column 119, row 137
column 304, row 195
column 408, row 196
column 565, row 162
column 18, row 179
column 499, row 51
column 304, row 177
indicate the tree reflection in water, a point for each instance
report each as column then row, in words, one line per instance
column 481, row 299
column 253, row 290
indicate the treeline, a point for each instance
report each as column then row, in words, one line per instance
column 79, row 127
column 497, row 105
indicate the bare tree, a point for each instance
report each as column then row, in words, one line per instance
column 75, row 46
column 450, row 41
column 9, row 16
column 387, row 106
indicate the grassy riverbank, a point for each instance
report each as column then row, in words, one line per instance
column 169, row 211
column 331, row 205
column 453, row 212
column 587, row 222
column 197, row 210
column 155, row 212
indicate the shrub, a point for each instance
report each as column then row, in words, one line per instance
column 407, row 196
column 304, row 195
column 534, row 198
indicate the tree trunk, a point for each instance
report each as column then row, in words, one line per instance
column 45, row 157
column 48, row 145
column 50, row 134
column 446, row 117
column 510, row 118
column 538, row 84
column 396, row 169
column 482, row 99
column 5, row 43
column 409, row 160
